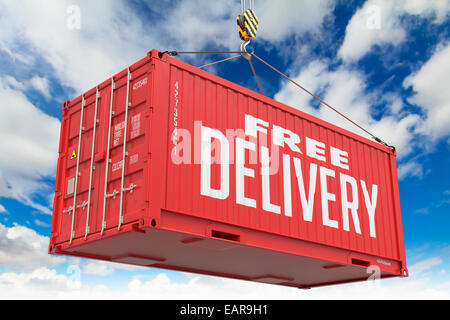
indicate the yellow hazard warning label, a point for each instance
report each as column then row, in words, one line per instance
column 74, row 154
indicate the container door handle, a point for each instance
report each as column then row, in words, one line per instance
column 106, row 195
column 83, row 205
column 130, row 188
column 68, row 210
column 112, row 195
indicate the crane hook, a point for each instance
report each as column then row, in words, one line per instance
column 248, row 56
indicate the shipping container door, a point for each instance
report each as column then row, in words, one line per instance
column 79, row 190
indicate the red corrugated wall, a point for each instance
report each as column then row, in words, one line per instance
column 221, row 105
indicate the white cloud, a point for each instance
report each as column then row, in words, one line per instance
column 313, row 77
column 410, row 169
column 398, row 131
column 282, row 19
column 2, row 209
column 212, row 288
column 378, row 22
column 81, row 58
column 11, row 82
column 431, row 94
column 193, row 25
column 29, row 142
column 422, row 211
column 31, row 285
column 436, row 10
column 42, row 85
column 109, row 42
column 41, row 223
column 23, row 247
column 424, row 265
column 44, row 283
column 375, row 23
column 16, row 56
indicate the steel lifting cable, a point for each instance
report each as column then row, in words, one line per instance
column 213, row 63
column 256, row 77
column 176, row 53
column 234, row 57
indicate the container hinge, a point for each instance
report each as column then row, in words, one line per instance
column 112, row 195
column 130, row 188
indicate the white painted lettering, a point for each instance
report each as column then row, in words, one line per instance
column 339, row 158
column 242, row 172
column 206, row 189
column 265, row 175
column 326, row 197
column 346, row 204
column 287, row 185
column 253, row 125
column 315, row 149
column 371, row 205
column 280, row 136
column 307, row 204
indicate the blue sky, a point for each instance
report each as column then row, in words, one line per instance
column 385, row 64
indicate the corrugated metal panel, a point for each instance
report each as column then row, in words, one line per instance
column 222, row 106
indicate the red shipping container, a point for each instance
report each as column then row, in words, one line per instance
column 216, row 179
